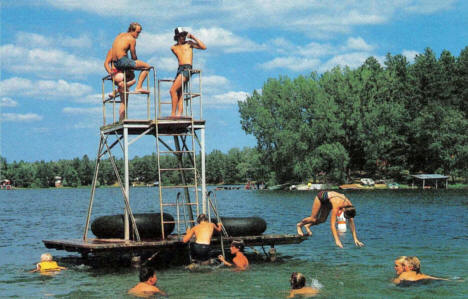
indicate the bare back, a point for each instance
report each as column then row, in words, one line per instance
column 122, row 44
column 144, row 289
column 338, row 200
column 184, row 53
column 203, row 232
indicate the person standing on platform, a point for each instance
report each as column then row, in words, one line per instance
column 324, row 203
column 203, row 231
column 183, row 50
column 124, row 42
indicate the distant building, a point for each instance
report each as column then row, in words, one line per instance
column 430, row 180
column 58, row 181
column 5, row 184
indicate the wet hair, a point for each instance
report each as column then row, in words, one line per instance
column 46, row 257
column 297, row 280
column 146, row 273
column 239, row 244
column 133, row 26
column 349, row 212
column 402, row 260
column 201, row 217
column 414, row 263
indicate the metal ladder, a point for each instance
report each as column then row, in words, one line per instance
column 183, row 134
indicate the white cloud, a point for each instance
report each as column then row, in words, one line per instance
column 229, row 98
column 43, row 88
column 410, row 54
column 296, row 64
column 18, row 117
column 8, row 102
column 47, row 63
column 352, row 60
column 226, row 41
column 359, row 44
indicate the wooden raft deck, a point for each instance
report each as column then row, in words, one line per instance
column 165, row 126
column 172, row 242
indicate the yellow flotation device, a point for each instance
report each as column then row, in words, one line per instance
column 49, row 266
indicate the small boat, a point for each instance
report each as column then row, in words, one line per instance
column 149, row 226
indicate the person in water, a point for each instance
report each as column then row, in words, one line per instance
column 298, row 286
column 203, row 231
column 183, row 50
column 240, row 261
column 47, row 265
column 408, row 269
column 147, row 285
column 324, row 203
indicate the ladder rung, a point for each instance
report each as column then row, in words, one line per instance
column 173, row 169
column 165, row 102
column 178, row 134
column 135, row 92
column 193, row 94
column 166, row 80
column 178, row 186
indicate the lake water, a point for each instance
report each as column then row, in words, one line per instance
column 430, row 224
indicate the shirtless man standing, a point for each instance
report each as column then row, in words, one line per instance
column 124, row 42
column 183, row 50
column 335, row 202
column 203, row 232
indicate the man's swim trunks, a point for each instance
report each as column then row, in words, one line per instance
column 200, row 252
column 184, row 69
column 125, row 63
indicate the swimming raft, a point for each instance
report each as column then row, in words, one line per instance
column 148, row 224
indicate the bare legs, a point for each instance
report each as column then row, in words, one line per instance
column 141, row 65
column 312, row 219
column 176, row 95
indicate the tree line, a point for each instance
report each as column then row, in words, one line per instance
column 385, row 121
column 234, row 167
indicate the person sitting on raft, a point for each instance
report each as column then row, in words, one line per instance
column 298, row 286
column 147, row 285
column 327, row 201
column 408, row 269
column 240, row 261
column 200, row 250
column 47, row 265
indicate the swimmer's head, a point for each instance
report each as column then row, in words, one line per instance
column 146, row 273
column 349, row 212
column 46, row 257
column 202, row 217
column 297, row 280
column 414, row 264
column 400, row 264
column 239, row 244
column 134, row 26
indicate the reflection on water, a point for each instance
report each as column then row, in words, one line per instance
column 429, row 224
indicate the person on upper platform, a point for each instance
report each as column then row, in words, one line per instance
column 124, row 42
column 330, row 202
column 183, row 50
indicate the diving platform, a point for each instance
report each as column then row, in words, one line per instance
column 172, row 242
column 164, row 126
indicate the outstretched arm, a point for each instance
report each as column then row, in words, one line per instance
column 198, row 44
column 218, row 227
column 333, row 228
column 353, row 230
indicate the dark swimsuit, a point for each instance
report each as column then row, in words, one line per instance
column 184, row 69
column 200, row 252
column 125, row 63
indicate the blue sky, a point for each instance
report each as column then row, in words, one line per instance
column 52, row 54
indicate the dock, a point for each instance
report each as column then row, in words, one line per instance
column 103, row 246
